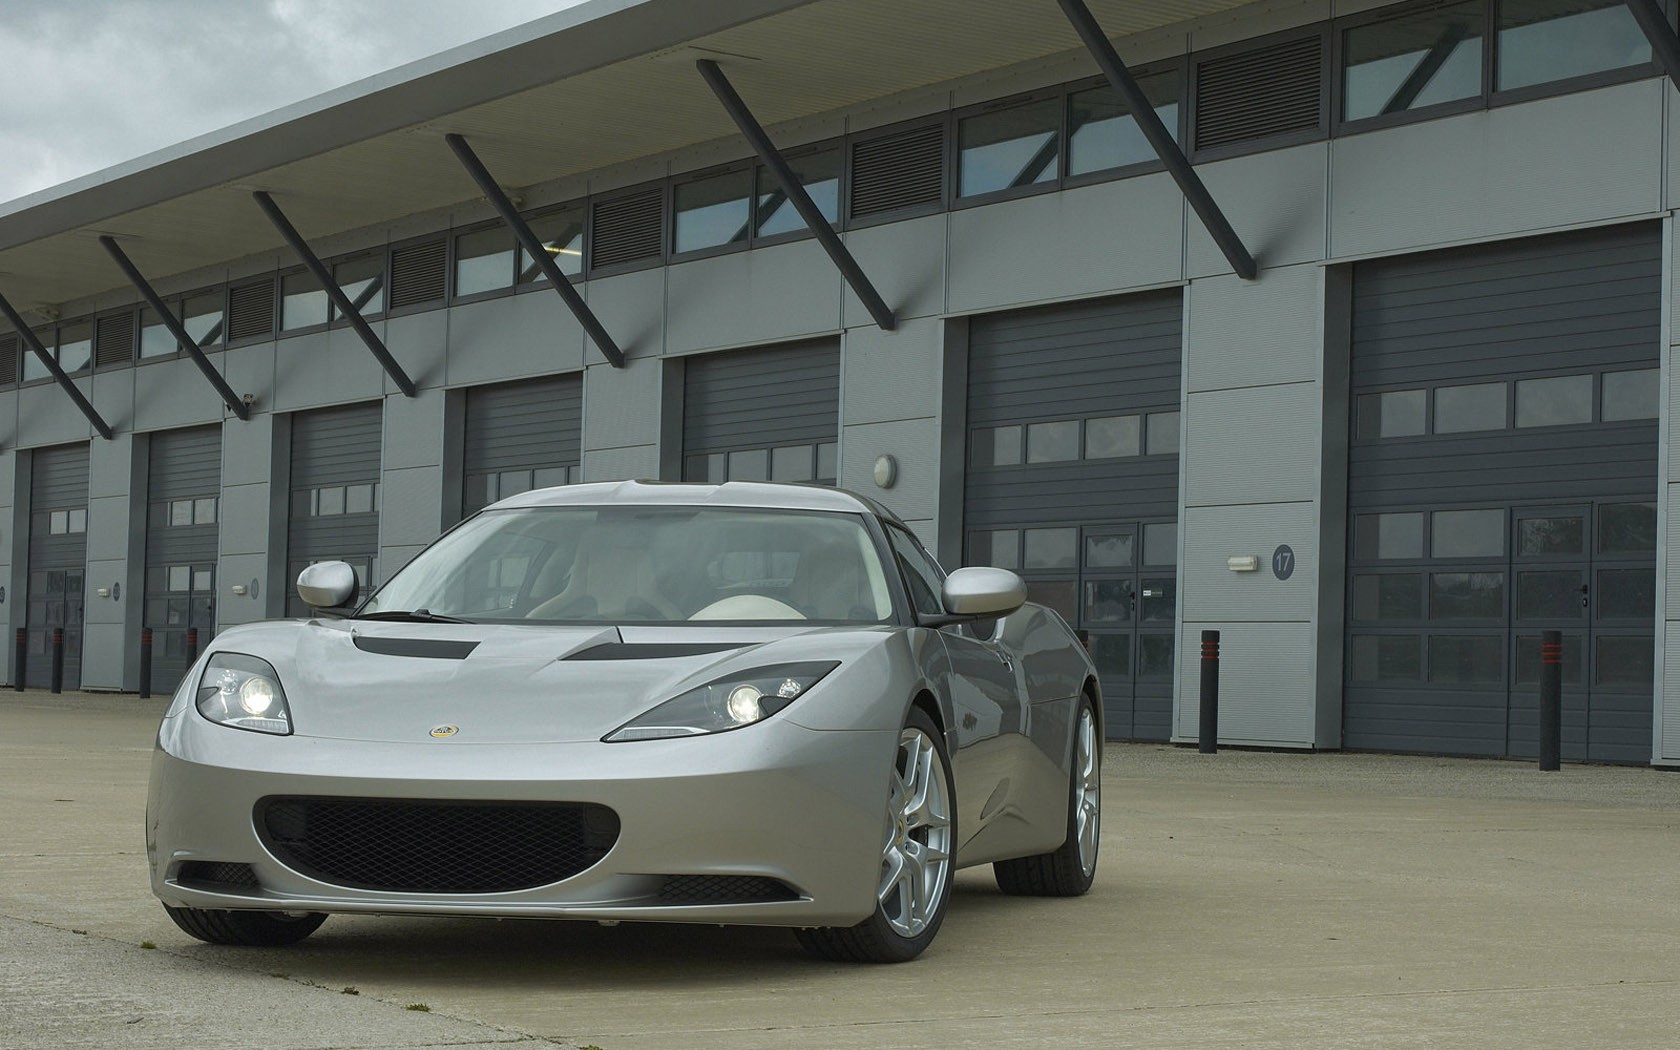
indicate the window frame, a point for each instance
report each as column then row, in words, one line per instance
column 280, row 329
column 531, row 218
column 792, row 155
column 716, row 171
column 453, row 296
column 335, row 319
column 1377, row 16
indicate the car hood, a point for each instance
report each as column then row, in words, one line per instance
column 499, row 683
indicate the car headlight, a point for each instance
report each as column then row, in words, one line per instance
column 737, row 700
column 243, row 692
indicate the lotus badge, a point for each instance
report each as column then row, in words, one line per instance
column 445, row 731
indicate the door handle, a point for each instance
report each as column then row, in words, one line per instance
column 1585, row 590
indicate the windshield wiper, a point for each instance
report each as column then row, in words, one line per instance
column 412, row 616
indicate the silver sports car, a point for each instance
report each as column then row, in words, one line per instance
column 744, row 703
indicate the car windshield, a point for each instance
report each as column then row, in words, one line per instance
column 647, row 565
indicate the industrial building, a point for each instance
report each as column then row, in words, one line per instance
column 1357, row 351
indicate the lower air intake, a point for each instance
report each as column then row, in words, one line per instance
column 217, row 875
column 723, row 889
column 436, row 847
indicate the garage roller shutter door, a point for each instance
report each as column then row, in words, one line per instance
column 520, row 436
column 335, row 491
column 182, row 544
column 768, row 414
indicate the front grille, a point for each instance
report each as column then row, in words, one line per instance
column 217, row 875
column 435, row 847
column 723, row 889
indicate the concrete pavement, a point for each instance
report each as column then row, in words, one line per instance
column 1245, row 899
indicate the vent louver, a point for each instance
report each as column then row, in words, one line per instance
column 627, row 229
column 251, row 310
column 10, row 365
column 113, row 340
column 899, row 171
column 1258, row 94
column 419, row 273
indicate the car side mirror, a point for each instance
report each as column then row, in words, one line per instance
column 327, row 585
column 980, row 591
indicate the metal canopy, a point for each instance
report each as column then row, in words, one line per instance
column 27, row 334
column 575, row 93
column 233, row 401
column 1177, row 164
column 535, row 248
column 794, row 191
column 1664, row 44
column 351, row 312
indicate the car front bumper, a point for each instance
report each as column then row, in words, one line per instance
column 778, row 801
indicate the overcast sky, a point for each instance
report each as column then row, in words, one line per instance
column 91, row 83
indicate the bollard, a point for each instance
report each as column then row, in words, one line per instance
column 1551, row 700
column 192, row 644
column 145, row 662
column 21, row 664
column 58, row 660
column 1209, row 726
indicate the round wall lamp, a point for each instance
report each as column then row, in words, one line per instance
column 886, row 471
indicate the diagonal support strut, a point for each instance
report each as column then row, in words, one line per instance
column 534, row 247
column 27, row 334
column 1664, row 44
column 1177, row 164
column 789, row 184
column 233, row 401
column 369, row 338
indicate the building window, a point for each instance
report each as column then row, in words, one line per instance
column 1010, row 148
column 204, row 319
column 75, row 347
column 483, row 261
column 1549, row 40
column 303, row 302
column 818, row 172
column 1102, row 133
column 1413, row 60
column 561, row 233
column 362, row 280
column 712, row 211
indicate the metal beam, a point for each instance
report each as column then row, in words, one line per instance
column 27, row 334
column 790, row 185
column 1664, row 44
column 335, row 293
column 1177, row 164
column 233, row 401
column 535, row 248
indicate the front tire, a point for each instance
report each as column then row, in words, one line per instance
column 917, row 856
column 250, row 929
column 1069, row 870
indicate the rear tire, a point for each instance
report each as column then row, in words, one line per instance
column 250, row 929
column 1068, row 870
column 917, row 858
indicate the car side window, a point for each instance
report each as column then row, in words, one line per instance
column 921, row 574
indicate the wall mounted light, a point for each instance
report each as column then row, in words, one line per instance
column 886, row 471
column 1243, row 563
column 103, row 592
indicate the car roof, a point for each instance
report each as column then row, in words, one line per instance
column 763, row 494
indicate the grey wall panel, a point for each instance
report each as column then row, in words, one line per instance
column 914, row 443
column 420, row 342
column 1258, row 664
column 248, row 451
column 46, row 416
column 324, row 368
column 250, row 370
column 247, row 569
column 781, row 395
column 622, row 463
column 905, row 262
column 528, row 334
column 1213, row 593
column 1253, row 333
column 1668, row 745
column 408, row 510
column 1578, row 158
column 413, row 430
column 620, row 405
column 174, row 393
column 783, row 292
column 1238, row 438
column 1671, row 542
column 1088, row 241
column 891, row 375
column 631, row 307
column 1274, row 200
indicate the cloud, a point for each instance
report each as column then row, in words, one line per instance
column 95, row 82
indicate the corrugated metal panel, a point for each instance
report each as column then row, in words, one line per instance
column 750, row 399
column 419, row 273
column 1254, row 95
column 58, row 495
column 336, row 445
column 113, row 340
column 182, row 544
column 333, row 450
column 901, row 170
column 530, row 425
column 251, row 309
column 1577, row 304
column 627, row 229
